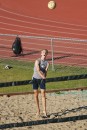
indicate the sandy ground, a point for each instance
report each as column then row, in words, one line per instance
column 65, row 112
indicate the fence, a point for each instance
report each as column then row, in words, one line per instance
column 67, row 51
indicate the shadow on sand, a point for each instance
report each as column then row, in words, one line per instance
column 56, row 119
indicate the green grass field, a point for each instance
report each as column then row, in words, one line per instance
column 23, row 71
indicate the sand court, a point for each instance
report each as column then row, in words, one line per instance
column 66, row 111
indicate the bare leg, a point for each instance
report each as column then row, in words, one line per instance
column 44, row 101
column 37, row 101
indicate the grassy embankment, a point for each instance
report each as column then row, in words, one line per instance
column 23, row 71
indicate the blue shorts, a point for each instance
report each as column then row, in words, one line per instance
column 39, row 82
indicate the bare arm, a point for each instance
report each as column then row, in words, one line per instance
column 47, row 68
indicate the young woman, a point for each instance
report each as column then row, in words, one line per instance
column 39, row 79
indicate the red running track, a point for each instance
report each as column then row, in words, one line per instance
column 33, row 18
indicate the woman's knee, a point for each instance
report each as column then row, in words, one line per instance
column 43, row 93
column 36, row 93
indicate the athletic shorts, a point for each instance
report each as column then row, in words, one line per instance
column 39, row 83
